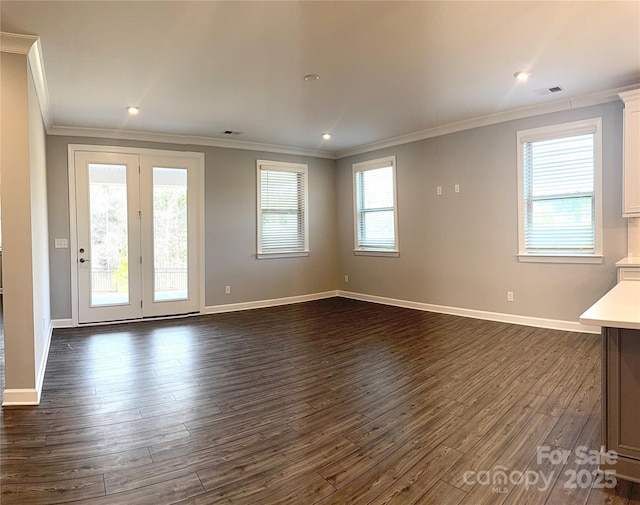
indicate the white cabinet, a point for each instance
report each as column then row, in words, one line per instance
column 628, row 269
column 631, row 184
column 628, row 274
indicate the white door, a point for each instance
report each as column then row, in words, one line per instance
column 137, row 235
column 169, row 235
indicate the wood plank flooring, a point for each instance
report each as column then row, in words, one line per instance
column 1, row 344
column 327, row 402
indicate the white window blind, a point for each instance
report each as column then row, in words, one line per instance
column 559, row 174
column 282, row 213
column 559, row 195
column 375, row 219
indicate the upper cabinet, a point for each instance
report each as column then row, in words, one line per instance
column 631, row 184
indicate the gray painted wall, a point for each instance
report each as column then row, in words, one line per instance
column 460, row 250
column 456, row 250
column 39, row 230
column 17, row 299
column 230, row 226
column 25, row 255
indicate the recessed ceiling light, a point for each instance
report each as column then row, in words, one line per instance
column 522, row 75
column 311, row 77
column 133, row 109
column 326, row 136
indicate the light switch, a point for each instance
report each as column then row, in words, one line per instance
column 61, row 243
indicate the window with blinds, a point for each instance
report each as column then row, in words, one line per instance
column 559, row 182
column 282, row 209
column 375, row 205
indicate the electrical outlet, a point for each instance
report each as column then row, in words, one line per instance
column 509, row 296
column 439, row 190
column 456, row 188
column 227, row 290
column 346, row 278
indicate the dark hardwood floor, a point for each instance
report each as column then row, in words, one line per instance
column 329, row 402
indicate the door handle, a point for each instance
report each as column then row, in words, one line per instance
column 82, row 260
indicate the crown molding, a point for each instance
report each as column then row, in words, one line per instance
column 630, row 96
column 185, row 139
column 30, row 45
column 609, row 95
column 40, row 82
column 491, row 119
column 16, row 43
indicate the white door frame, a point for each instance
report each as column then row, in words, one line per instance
column 199, row 226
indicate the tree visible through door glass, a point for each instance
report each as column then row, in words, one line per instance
column 170, row 234
column 109, row 234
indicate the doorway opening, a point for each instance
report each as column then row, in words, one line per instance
column 136, row 233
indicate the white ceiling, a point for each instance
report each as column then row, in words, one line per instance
column 387, row 68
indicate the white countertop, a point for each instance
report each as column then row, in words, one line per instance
column 632, row 261
column 619, row 308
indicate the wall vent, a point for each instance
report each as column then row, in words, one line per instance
column 231, row 132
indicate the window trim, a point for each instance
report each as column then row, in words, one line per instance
column 592, row 125
column 281, row 166
column 364, row 166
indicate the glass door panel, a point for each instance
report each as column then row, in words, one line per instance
column 109, row 232
column 170, row 234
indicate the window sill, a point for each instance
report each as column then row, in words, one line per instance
column 375, row 252
column 554, row 258
column 297, row 254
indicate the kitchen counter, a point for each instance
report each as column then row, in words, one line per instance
column 629, row 261
column 619, row 308
column 618, row 313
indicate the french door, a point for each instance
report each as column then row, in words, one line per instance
column 137, row 235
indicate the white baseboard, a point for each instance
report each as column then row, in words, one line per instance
column 555, row 324
column 260, row 304
column 61, row 323
column 43, row 362
column 29, row 396
column 15, row 397
column 538, row 322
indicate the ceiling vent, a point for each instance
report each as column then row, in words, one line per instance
column 548, row 91
column 231, row 132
